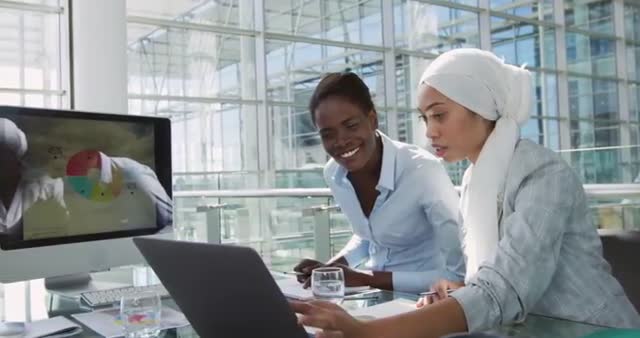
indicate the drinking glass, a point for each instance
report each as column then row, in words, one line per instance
column 140, row 314
column 327, row 283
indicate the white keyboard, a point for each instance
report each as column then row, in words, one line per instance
column 112, row 296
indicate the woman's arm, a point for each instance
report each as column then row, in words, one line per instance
column 431, row 321
column 507, row 287
column 355, row 252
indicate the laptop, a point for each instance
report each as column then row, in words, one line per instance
column 224, row 291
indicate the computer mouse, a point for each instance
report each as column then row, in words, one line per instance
column 11, row 329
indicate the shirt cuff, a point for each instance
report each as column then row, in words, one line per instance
column 478, row 309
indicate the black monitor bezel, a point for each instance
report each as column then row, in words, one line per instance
column 162, row 139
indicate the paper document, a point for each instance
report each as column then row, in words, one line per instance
column 291, row 288
column 55, row 327
column 388, row 309
column 107, row 322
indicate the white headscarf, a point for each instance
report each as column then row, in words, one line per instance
column 12, row 137
column 484, row 84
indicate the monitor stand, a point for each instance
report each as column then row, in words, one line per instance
column 71, row 286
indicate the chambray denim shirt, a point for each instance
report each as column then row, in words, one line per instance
column 413, row 228
column 549, row 258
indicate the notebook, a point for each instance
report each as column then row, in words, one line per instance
column 55, row 327
column 383, row 310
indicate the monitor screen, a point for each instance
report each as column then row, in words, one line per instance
column 69, row 176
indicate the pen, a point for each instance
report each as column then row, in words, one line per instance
column 294, row 273
column 359, row 297
column 431, row 293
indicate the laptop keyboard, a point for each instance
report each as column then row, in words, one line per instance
column 112, row 296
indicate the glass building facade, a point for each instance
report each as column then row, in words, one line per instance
column 235, row 77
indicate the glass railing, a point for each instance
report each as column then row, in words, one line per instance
column 615, row 206
column 612, row 206
column 285, row 225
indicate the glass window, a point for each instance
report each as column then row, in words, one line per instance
column 296, row 143
column 595, row 16
column 632, row 20
column 409, row 69
column 635, row 153
column 535, row 9
column 581, row 134
column 606, row 133
column 546, row 91
column 634, row 101
column 30, row 58
column 434, row 29
column 235, row 13
column 542, row 131
column 523, row 43
column 207, row 137
column 633, row 62
column 182, row 62
column 340, row 20
column 590, row 55
column 294, row 69
column 593, row 99
column 10, row 99
column 598, row 165
column 40, row 2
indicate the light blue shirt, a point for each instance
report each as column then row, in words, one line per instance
column 413, row 228
column 549, row 258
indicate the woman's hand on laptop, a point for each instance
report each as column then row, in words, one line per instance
column 334, row 321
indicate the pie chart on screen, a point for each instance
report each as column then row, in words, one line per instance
column 83, row 174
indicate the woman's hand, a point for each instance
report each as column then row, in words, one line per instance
column 334, row 321
column 351, row 277
column 441, row 289
column 306, row 266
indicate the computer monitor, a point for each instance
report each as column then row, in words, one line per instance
column 75, row 186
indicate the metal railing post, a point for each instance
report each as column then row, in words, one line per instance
column 212, row 214
column 321, row 230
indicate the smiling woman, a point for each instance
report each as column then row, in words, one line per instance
column 342, row 109
column 397, row 197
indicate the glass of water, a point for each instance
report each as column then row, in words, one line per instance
column 327, row 283
column 140, row 314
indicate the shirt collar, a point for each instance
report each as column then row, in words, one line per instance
column 387, row 171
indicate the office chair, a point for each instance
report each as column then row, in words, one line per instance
column 621, row 248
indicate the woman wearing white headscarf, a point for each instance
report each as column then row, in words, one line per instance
column 527, row 235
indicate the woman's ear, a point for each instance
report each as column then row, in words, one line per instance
column 373, row 118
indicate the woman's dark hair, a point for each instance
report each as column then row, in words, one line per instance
column 346, row 85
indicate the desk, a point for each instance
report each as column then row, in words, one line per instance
column 533, row 327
